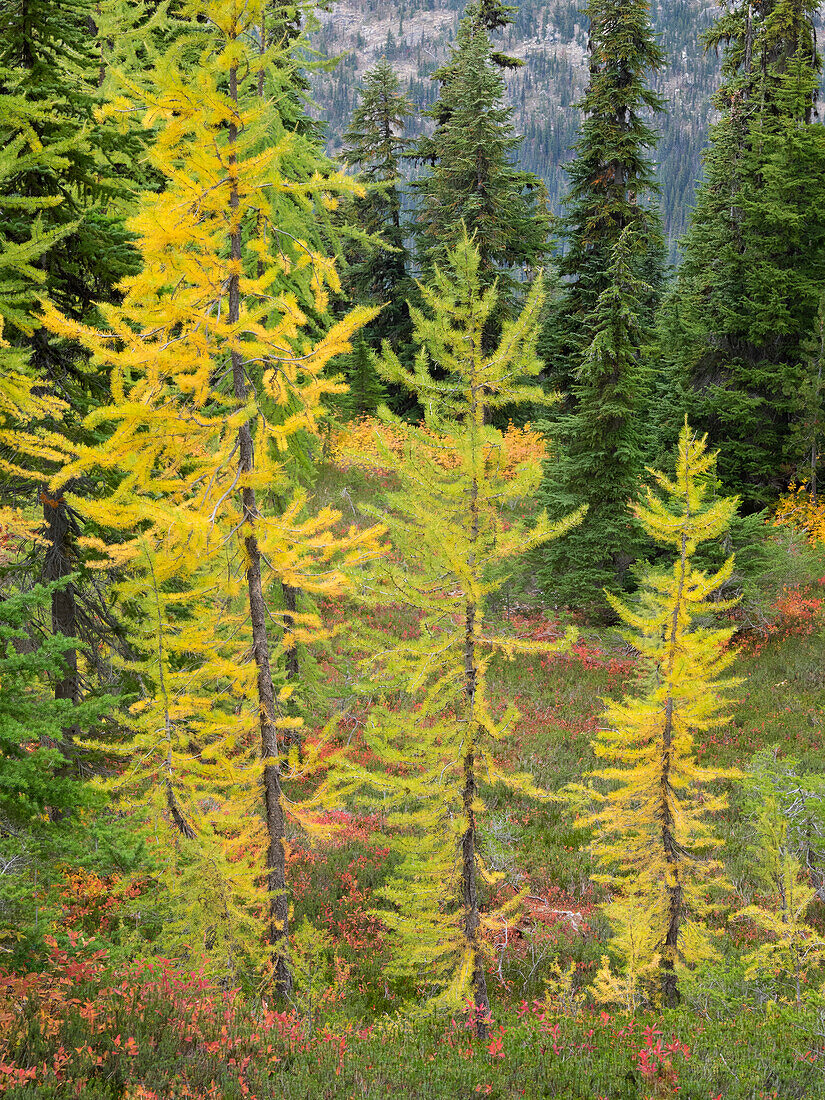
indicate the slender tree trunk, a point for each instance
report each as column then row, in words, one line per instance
column 472, row 919
column 275, row 820
column 263, row 51
column 93, row 31
column 56, row 566
column 175, row 814
column 291, row 662
column 291, row 609
column 674, row 888
column 670, row 990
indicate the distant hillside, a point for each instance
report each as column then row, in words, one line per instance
column 551, row 37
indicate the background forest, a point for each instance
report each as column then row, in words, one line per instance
column 411, row 584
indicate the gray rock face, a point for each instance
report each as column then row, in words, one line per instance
column 550, row 36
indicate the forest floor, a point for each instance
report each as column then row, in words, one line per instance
column 85, row 1025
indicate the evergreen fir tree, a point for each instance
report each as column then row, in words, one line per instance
column 374, row 144
column 473, row 184
column 612, row 184
column 365, row 391
column 754, row 266
column 598, row 457
column 41, row 795
column 22, row 401
column 810, row 427
column 597, row 328
column 77, row 171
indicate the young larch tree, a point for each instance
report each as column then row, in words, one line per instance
column 450, row 523
column 653, row 844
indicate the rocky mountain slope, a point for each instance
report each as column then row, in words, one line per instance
column 551, row 37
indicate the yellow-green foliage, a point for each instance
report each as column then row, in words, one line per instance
column 182, row 500
column 653, row 846
column 450, row 524
column 25, row 402
column 781, row 964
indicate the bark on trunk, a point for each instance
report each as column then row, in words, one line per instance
column 472, row 919
column 275, row 820
column 57, row 565
column 674, row 888
column 670, row 990
column 291, row 662
column 291, row 609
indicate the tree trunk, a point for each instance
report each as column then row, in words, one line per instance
column 472, row 919
column 56, row 566
column 275, row 820
column 670, row 990
column 291, row 606
column 674, row 889
column 263, row 51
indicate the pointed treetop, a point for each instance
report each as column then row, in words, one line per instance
column 449, row 332
column 687, row 517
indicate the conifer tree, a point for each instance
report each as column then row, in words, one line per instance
column 374, row 145
column 79, row 172
column 448, row 519
column 794, row 945
column 596, row 329
column 754, row 265
column 473, row 184
column 653, row 845
column 612, row 183
column 22, row 402
column 599, row 458
column 37, row 789
column 809, row 428
column 365, row 391
column 187, row 761
column 212, row 373
column 129, row 35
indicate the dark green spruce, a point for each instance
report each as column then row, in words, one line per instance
column 472, row 179
column 597, row 330
column 743, row 317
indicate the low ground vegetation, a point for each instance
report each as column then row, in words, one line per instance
column 81, row 1017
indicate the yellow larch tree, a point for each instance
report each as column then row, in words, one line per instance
column 186, row 764
column 23, row 404
column 452, row 526
column 654, row 847
column 777, row 801
column 213, row 370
